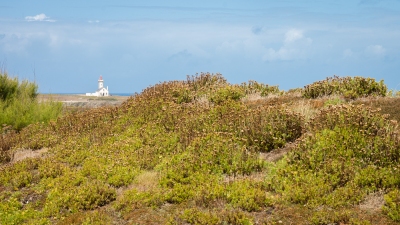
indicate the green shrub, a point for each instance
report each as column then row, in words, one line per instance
column 109, row 172
column 20, row 175
column 182, row 95
column 267, row 128
column 350, row 152
column 204, row 82
column 81, row 194
column 10, row 88
column 199, row 217
column 326, row 216
column 96, row 217
column 213, row 154
column 334, row 101
column 195, row 216
column 255, row 87
column 48, row 168
column 13, row 211
column 392, row 205
column 227, row 93
column 349, row 87
column 19, row 106
column 248, row 196
column 134, row 199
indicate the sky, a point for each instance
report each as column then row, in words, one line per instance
column 64, row 46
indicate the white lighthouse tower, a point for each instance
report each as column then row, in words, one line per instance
column 101, row 84
column 101, row 91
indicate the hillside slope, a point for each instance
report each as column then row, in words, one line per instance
column 203, row 151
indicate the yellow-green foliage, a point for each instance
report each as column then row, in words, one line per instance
column 77, row 194
column 193, row 152
column 349, row 87
column 198, row 217
column 350, row 152
column 255, row 87
column 227, row 93
column 19, row 106
column 392, row 204
column 11, row 88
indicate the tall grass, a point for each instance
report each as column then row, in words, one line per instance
column 19, row 105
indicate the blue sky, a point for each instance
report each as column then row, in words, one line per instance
column 66, row 45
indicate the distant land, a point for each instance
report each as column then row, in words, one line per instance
column 111, row 94
column 81, row 100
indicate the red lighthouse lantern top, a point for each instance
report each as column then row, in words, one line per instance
column 101, row 77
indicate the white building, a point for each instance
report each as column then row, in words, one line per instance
column 101, row 91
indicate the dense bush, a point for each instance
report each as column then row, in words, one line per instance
column 351, row 151
column 10, row 88
column 224, row 94
column 392, row 204
column 255, row 87
column 349, row 87
column 268, row 128
column 199, row 217
column 76, row 196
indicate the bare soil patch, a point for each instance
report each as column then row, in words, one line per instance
column 276, row 154
column 373, row 202
column 22, row 154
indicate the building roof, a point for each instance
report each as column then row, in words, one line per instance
column 98, row 90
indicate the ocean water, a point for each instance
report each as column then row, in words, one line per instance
column 122, row 94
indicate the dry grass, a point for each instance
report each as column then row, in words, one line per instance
column 203, row 101
column 146, row 181
column 305, row 108
column 257, row 97
column 22, row 154
column 373, row 202
column 390, row 106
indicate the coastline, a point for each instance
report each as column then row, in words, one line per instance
column 81, row 100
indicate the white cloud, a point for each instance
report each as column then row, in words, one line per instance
column 281, row 54
column 94, row 21
column 348, row 53
column 375, row 50
column 39, row 17
column 295, row 46
column 230, row 46
column 293, row 35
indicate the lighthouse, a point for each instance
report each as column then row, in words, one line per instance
column 101, row 91
column 101, row 82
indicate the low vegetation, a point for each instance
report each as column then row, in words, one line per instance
column 203, row 151
column 19, row 106
column 349, row 87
